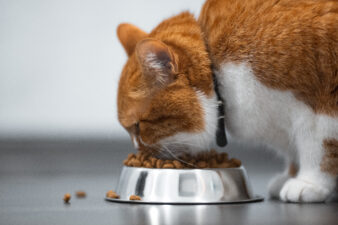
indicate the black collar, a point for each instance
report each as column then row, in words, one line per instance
column 221, row 138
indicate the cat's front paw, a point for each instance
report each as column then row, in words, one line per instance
column 297, row 190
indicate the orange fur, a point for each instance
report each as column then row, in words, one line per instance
column 291, row 45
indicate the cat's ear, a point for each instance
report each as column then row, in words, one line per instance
column 157, row 61
column 129, row 35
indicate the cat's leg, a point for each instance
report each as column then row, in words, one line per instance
column 277, row 182
column 311, row 184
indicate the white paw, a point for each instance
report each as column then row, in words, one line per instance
column 276, row 184
column 296, row 190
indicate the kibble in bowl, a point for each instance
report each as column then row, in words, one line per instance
column 210, row 159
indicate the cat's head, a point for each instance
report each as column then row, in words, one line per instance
column 166, row 99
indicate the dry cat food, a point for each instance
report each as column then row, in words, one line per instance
column 80, row 194
column 135, row 197
column 210, row 159
column 67, row 197
column 112, row 194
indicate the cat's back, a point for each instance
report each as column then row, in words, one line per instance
column 290, row 45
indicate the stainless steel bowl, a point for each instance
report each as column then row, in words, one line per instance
column 185, row 186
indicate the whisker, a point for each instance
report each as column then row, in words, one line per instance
column 174, row 156
column 160, row 152
column 181, row 144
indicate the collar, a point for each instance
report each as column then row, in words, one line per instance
column 221, row 138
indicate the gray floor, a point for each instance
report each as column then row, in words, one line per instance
column 34, row 175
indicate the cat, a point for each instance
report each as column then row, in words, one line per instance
column 276, row 67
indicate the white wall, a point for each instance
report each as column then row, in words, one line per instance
column 60, row 62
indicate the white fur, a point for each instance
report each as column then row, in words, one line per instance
column 199, row 141
column 256, row 113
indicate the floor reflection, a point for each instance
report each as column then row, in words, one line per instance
column 183, row 214
column 267, row 212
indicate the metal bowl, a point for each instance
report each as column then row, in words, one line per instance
column 185, row 186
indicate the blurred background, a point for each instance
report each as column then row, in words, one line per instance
column 60, row 63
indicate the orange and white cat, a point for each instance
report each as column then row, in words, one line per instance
column 276, row 65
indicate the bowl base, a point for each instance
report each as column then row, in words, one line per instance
column 256, row 198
